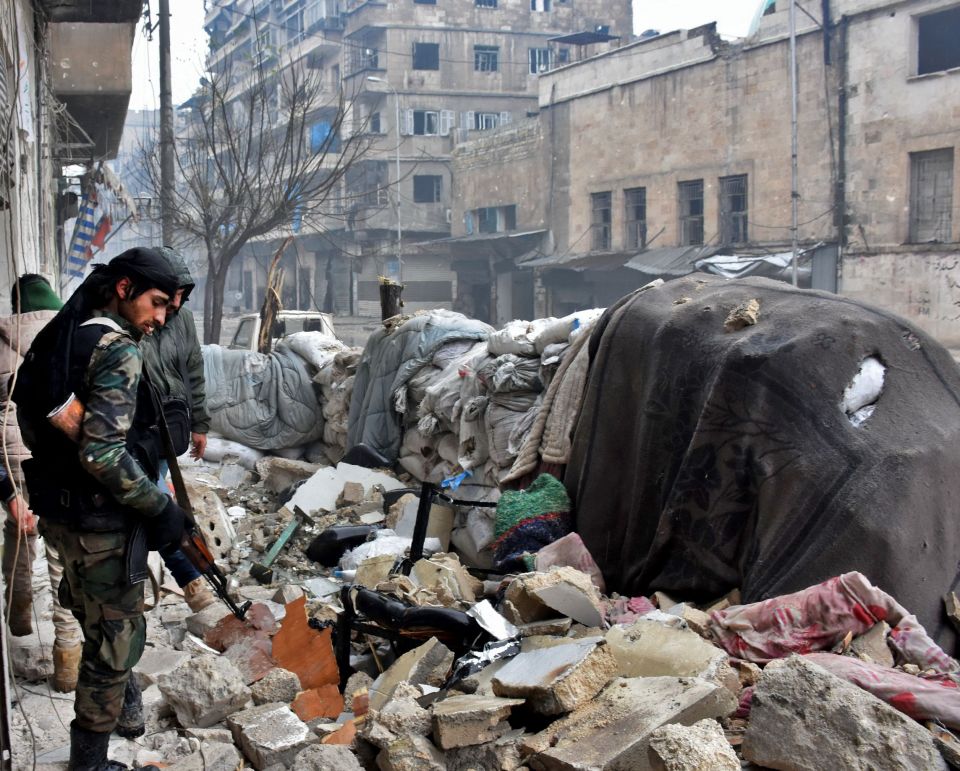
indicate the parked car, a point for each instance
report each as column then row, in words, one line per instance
column 287, row 322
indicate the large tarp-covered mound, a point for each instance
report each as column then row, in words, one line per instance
column 706, row 459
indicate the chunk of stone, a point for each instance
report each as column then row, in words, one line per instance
column 278, row 474
column 155, row 662
column 287, row 593
column 650, row 649
column 358, row 681
column 351, row 494
column 459, row 721
column 560, row 678
column 404, row 716
column 155, row 709
column 199, row 624
column 428, row 664
column 530, row 593
column 270, row 734
column 214, row 735
column 252, row 658
column 204, row 690
column 700, row 747
column 326, row 757
column 803, row 717
column 872, row 646
column 322, row 489
column 212, row 756
column 278, row 685
column 411, row 753
column 503, row 754
column 613, row 730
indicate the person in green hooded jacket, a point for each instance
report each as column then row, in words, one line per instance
column 174, row 364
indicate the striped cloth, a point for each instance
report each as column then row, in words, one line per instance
column 80, row 253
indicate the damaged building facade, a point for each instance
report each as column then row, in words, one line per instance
column 445, row 72
column 649, row 159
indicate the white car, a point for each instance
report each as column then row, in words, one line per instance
column 287, row 322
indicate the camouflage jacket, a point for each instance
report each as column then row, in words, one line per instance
column 111, row 382
column 172, row 357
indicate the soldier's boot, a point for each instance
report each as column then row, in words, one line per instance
column 66, row 666
column 17, row 573
column 130, row 725
column 88, row 751
column 197, row 595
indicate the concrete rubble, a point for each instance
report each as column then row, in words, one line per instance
column 527, row 671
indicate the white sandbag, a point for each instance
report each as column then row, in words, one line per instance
column 290, row 453
column 316, row 348
column 218, row 448
column 559, row 330
column 473, row 450
column 586, row 321
column 448, row 448
column 511, row 373
column 438, row 409
column 384, row 542
column 517, row 337
column 519, row 434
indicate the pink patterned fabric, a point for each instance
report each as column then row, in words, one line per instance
column 819, row 617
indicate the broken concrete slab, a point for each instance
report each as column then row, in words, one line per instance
column 459, row 721
column 207, row 619
column 212, row 519
column 287, row 594
column 213, row 735
column 804, row 717
column 270, row 734
column 212, row 756
column 401, row 716
column 447, row 578
column 156, row 709
column 302, row 649
column 872, row 645
column 579, row 596
column 204, row 690
column 278, row 474
column 558, row 679
column 252, row 657
column 351, row 494
column 155, row 662
column 320, row 491
column 429, row 663
column 411, row 753
column 31, row 656
column 502, row 754
column 649, row 649
column 374, row 570
column 700, row 747
column 326, row 757
column 613, row 730
column 324, row 701
column 258, row 622
column 277, row 685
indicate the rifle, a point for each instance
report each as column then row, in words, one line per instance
column 192, row 542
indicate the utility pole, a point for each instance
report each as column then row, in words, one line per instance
column 794, row 172
column 166, row 127
column 396, row 103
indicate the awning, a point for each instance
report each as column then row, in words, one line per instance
column 670, row 261
column 579, row 262
column 589, row 37
column 501, row 245
column 737, row 266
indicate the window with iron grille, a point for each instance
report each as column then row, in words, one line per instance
column 931, row 196
column 426, row 56
column 486, row 58
column 937, row 35
column 733, row 209
column 427, row 188
column 691, row 212
column 600, row 218
column 635, row 217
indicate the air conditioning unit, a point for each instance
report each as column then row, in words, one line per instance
column 449, row 216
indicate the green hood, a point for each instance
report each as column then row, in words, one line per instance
column 35, row 295
column 180, row 268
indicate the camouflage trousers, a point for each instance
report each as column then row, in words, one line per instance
column 110, row 611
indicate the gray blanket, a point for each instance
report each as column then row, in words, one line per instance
column 707, row 459
column 266, row 401
column 391, row 358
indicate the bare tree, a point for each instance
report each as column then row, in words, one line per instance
column 262, row 148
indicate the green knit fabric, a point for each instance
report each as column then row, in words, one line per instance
column 38, row 295
column 546, row 495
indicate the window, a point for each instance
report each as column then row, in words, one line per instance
column 733, row 209
column 635, row 217
column 691, row 212
column 426, row 188
column 937, row 35
column 600, row 204
column 541, row 60
column 363, row 58
column 426, row 122
column 485, row 3
column 373, row 124
column 426, row 56
column 425, row 2
column 931, row 196
column 485, row 120
column 322, row 140
column 486, row 58
column 493, row 219
column 540, row 5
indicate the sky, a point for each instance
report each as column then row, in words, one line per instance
column 188, row 39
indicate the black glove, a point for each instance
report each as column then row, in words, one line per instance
column 166, row 528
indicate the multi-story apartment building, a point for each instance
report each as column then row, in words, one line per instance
column 420, row 78
column 646, row 159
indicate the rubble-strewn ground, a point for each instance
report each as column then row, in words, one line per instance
column 556, row 675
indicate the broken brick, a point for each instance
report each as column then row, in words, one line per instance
column 229, row 630
column 252, row 657
column 324, row 701
column 303, row 650
column 344, row 735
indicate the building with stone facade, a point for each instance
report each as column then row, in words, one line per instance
column 646, row 160
column 421, row 78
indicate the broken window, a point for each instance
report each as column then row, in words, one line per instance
column 426, row 56
column 427, row 188
column 635, row 217
column 541, row 60
column 937, row 36
column 691, row 212
column 600, row 218
column 733, row 209
column 931, row 196
column 486, row 58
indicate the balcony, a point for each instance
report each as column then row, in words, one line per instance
column 99, row 12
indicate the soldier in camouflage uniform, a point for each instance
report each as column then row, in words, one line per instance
column 92, row 484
